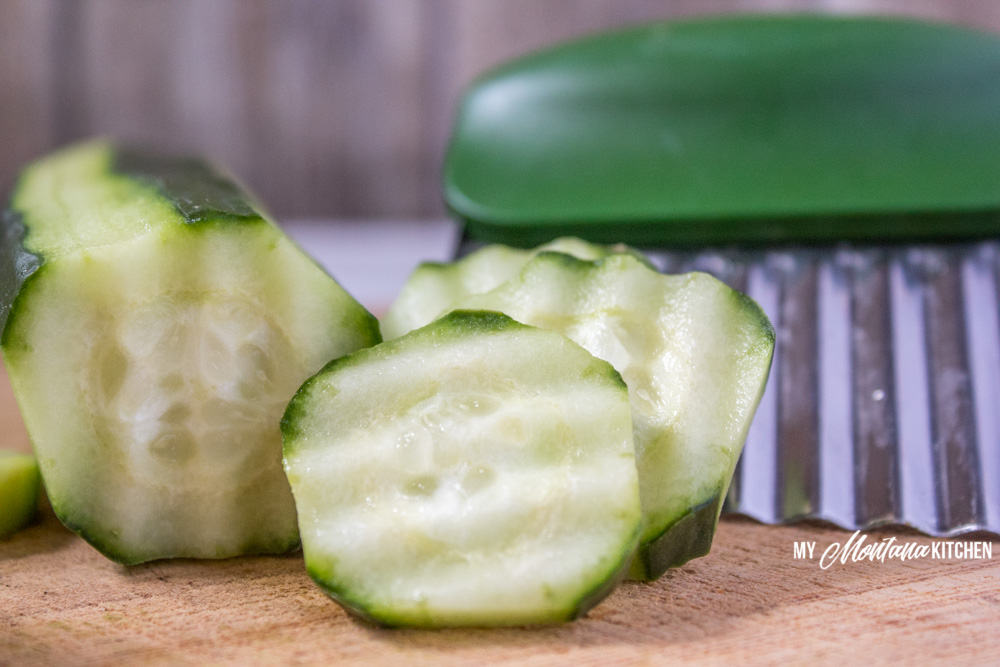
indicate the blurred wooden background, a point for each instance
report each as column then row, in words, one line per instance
column 324, row 107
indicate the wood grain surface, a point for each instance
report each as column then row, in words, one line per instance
column 749, row 601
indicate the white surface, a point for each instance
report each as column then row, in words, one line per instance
column 372, row 259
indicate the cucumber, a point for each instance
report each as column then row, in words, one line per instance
column 473, row 472
column 155, row 325
column 434, row 285
column 18, row 491
column 695, row 355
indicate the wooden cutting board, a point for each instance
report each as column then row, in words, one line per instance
column 748, row 601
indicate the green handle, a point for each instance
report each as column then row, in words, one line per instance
column 736, row 129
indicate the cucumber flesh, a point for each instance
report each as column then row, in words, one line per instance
column 154, row 347
column 433, row 286
column 19, row 484
column 695, row 355
column 473, row 472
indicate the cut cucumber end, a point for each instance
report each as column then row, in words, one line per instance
column 154, row 348
column 19, row 487
column 475, row 472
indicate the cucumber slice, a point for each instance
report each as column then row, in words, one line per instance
column 474, row 472
column 155, row 325
column 695, row 355
column 434, row 285
column 18, row 491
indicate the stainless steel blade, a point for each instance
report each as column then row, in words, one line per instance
column 883, row 404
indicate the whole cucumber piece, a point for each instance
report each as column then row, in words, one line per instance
column 155, row 324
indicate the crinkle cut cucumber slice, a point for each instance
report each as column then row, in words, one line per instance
column 695, row 355
column 155, row 325
column 18, row 491
column 433, row 286
column 473, row 472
